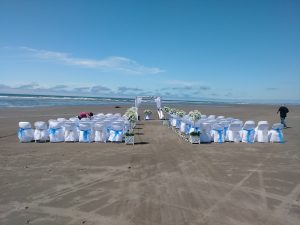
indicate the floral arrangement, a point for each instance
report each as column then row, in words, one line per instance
column 131, row 115
column 180, row 113
column 148, row 112
column 166, row 109
column 129, row 134
column 172, row 111
column 195, row 115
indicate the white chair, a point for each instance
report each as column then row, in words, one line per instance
column 183, row 125
column 61, row 119
column 248, row 132
column 41, row 132
column 234, row 131
column 116, row 133
column 85, row 119
column 174, row 120
column 101, row 133
column 85, row 132
column 237, row 120
column 261, row 132
column 211, row 117
column 71, row 132
column 225, row 124
column 56, row 132
column 220, row 118
column 205, row 135
column 178, row 122
column 74, row 119
column 25, row 133
column 217, row 133
column 108, row 115
column 276, row 134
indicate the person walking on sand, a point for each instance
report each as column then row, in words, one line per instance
column 283, row 111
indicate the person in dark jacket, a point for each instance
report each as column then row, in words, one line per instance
column 283, row 111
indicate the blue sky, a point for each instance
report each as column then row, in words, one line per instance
column 177, row 49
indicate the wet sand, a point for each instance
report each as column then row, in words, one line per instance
column 162, row 180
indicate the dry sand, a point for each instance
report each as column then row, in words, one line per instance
column 162, row 180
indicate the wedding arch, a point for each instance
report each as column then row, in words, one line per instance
column 156, row 99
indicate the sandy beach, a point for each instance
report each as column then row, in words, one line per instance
column 162, row 180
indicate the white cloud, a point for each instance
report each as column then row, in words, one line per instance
column 113, row 63
column 182, row 82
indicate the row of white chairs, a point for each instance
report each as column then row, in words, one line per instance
column 100, row 128
column 220, row 129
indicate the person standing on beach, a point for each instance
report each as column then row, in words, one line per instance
column 283, row 111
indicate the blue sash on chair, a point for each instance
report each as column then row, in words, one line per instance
column 279, row 132
column 220, row 133
column 21, row 131
column 249, row 131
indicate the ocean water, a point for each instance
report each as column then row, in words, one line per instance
column 24, row 100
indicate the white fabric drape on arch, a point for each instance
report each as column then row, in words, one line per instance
column 138, row 101
column 158, row 102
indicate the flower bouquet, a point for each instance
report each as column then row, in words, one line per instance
column 148, row 114
column 180, row 113
column 172, row 111
column 166, row 109
column 195, row 115
column 167, row 113
column 131, row 116
column 195, row 136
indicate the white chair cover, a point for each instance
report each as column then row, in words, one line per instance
column 41, row 132
column 61, row 119
column 217, row 133
column 261, row 132
column 74, row 119
column 211, row 117
column 71, row 132
column 116, row 133
column 108, row 115
column 234, row 131
column 220, row 118
column 25, row 133
column 117, row 115
column 225, row 124
column 183, row 126
column 101, row 134
column 205, row 136
column 85, row 132
column 248, row 132
column 174, row 121
column 276, row 134
column 56, row 131
column 85, row 119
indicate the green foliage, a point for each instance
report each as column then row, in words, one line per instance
column 195, row 133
